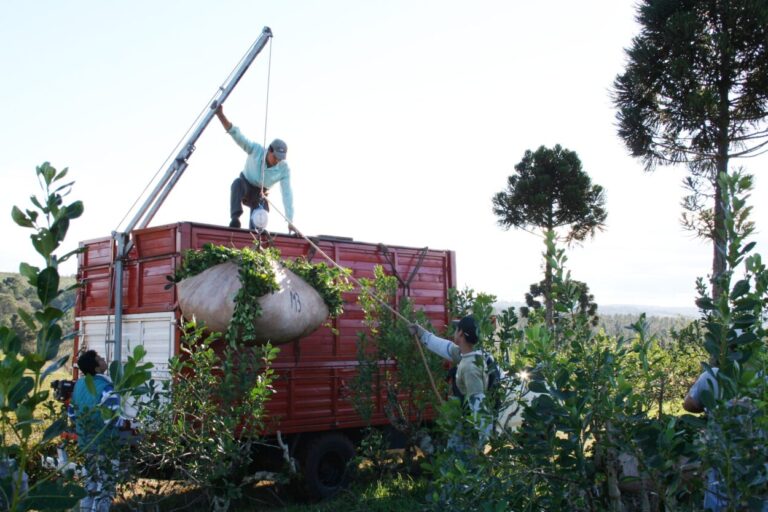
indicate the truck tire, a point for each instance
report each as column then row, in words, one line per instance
column 326, row 464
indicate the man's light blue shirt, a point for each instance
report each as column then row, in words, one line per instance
column 256, row 169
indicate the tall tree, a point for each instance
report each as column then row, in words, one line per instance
column 550, row 190
column 695, row 91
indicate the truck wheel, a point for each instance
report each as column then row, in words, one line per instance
column 326, row 469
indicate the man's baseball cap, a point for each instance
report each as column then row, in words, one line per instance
column 279, row 148
column 468, row 326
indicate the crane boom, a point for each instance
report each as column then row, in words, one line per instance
column 179, row 164
column 154, row 201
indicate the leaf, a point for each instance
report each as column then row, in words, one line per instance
column 54, row 366
column 75, row 210
column 55, row 429
column 48, row 285
column 59, row 229
column 747, row 337
column 62, row 174
column 19, row 392
column 62, row 189
column 740, row 288
column 29, row 272
column 747, row 248
column 27, row 319
column 537, row 386
column 68, row 255
column 47, row 171
column 43, row 242
column 10, row 342
column 49, row 315
column 52, row 342
column 53, row 495
column 36, row 202
column 21, row 219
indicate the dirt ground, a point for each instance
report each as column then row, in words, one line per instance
column 169, row 495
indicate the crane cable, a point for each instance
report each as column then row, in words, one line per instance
column 363, row 287
column 318, row 249
column 266, row 117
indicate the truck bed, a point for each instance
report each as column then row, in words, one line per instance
column 313, row 371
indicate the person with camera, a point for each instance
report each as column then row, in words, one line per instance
column 94, row 410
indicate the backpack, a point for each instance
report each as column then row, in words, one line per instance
column 493, row 386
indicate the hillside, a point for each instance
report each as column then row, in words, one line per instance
column 15, row 293
column 615, row 318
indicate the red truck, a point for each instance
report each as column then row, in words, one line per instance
column 311, row 404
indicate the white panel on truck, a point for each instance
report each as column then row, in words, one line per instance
column 155, row 331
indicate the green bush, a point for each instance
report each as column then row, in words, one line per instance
column 206, row 424
column 607, row 432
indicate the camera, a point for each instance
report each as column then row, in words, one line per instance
column 62, row 389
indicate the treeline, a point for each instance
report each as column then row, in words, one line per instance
column 616, row 324
column 16, row 293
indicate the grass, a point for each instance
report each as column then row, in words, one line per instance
column 393, row 492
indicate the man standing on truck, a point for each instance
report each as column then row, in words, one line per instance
column 262, row 170
column 471, row 374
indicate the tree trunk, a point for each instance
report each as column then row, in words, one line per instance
column 724, row 85
column 548, row 299
column 719, row 241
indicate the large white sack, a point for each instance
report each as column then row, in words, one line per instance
column 295, row 310
column 511, row 414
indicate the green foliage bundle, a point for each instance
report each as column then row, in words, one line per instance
column 257, row 278
column 206, row 427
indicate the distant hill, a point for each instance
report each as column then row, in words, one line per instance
column 626, row 309
column 663, row 311
column 615, row 318
column 15, row 293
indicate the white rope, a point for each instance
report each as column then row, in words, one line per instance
column 266, row 117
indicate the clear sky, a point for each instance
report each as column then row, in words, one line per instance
column 403, row 118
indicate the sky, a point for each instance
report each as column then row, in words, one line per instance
column 402, row 118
